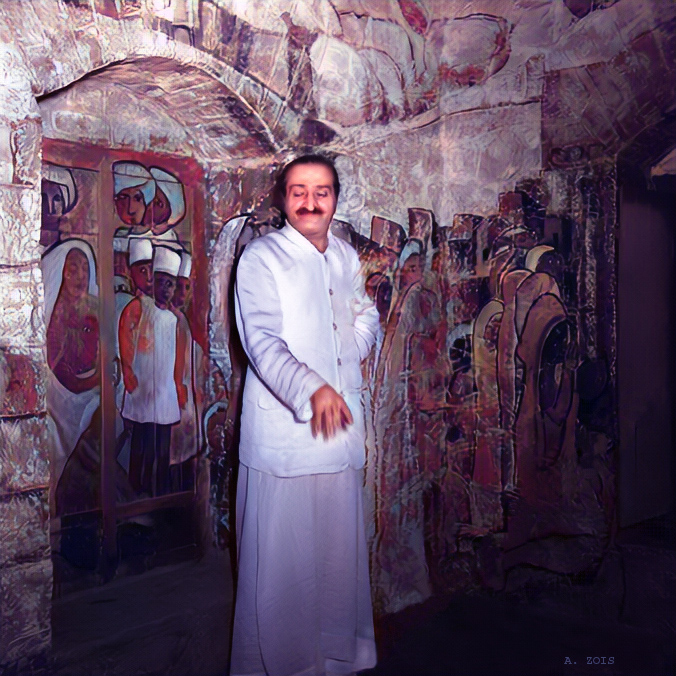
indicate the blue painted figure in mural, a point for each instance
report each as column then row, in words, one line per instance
column 303, row 595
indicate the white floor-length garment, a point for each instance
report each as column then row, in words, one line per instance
column 303, row 604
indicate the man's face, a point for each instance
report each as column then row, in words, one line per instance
column 310, row 200
column 164, row 288
column 142, row 275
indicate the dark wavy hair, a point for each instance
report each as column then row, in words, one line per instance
column 279, row 189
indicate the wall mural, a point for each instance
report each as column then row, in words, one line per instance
column 156, row 397
column 158, row 337
column 489, row 440
column 489, row 445
column 475, row 401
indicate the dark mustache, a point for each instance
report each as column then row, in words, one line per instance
column 304, row 210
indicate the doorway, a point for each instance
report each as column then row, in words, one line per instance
column 646, row 368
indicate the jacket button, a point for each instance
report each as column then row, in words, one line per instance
column 335, row 326
column 339, row 362
column 330, row 292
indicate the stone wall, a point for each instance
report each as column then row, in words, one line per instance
column 25, row 564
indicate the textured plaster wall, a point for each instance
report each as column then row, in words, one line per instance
column 458, row 164
column 25, row 564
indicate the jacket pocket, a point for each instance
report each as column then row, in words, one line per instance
column 268, row 402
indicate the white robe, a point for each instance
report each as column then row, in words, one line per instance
column 303, row 596
column 305, row 320
column 155, row 399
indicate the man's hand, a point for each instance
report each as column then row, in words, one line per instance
column 329, row 412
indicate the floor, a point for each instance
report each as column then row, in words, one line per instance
column 174, row 620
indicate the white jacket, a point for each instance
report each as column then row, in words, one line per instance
column 304, row 320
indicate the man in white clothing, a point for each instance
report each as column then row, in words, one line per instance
column 303, row 604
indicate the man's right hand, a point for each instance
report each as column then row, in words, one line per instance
column 329, row 412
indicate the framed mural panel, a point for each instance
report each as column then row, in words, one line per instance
column 126, row 307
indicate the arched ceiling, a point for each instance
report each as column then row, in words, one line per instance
column 152, row 104
column 349, row 71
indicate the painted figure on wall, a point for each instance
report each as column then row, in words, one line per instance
column 151, row 202
column 152, row 354
column 133, row 265
column 409, row 402
column 134, row 189
column 59, row 196
column 487, row 467
column 554, row 497
column 186, row 438
column 71, row 316
column 166, row 209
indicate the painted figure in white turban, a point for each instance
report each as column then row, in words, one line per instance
column 166, row 210
column 134, row 190
column 186, row 437
column 133, row 268
column 71, row 316
column 152, row 358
